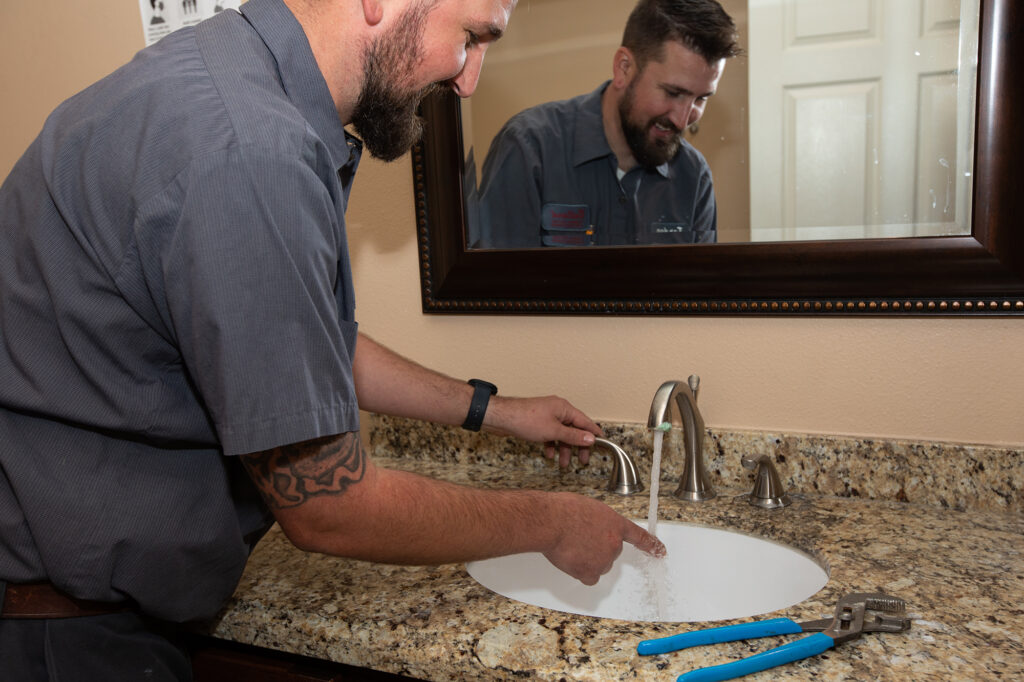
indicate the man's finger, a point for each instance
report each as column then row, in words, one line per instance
column 583, row 422
column 644, row 541
column 577, row 437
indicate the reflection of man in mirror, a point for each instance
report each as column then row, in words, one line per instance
column 611, row 167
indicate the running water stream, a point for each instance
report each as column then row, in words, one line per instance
column 656, row 595
column 652, row 507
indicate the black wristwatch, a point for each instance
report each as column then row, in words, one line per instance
column 481, row 396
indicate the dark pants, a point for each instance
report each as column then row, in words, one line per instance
column 111, row 647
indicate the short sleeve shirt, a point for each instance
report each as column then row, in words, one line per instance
column 174, row 290
column 550, row 179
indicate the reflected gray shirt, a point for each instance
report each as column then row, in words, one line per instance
column 549, row 179
column 174, row 290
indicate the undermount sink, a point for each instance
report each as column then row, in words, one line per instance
column 708, row 574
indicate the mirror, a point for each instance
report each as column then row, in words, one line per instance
column 979, row 271
column 844, row 119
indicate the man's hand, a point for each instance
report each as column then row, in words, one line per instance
column 391, row 384
column 591, row 539
column 550, row 420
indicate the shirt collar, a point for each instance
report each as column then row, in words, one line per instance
column 589, row 141
column 301, row 78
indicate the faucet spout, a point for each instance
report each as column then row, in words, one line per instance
column 694, row 486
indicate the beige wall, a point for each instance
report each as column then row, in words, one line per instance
column 938, row 379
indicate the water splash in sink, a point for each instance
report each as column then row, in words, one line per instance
column 709, row 574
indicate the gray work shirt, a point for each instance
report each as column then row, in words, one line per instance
column 174, row 290
column 549, row 179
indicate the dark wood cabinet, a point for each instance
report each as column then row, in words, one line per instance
column 215, row 660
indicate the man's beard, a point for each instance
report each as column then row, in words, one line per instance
column 385, row 114
column 649, row 153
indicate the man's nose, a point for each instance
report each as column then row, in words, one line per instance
column 465, row 82
column 685, row 113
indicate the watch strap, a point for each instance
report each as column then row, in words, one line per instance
column 482, row 392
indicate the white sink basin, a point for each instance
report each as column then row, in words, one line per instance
column 708, row 574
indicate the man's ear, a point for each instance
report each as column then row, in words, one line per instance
column 373, row 11
column 623, row 67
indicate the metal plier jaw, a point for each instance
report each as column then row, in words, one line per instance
column 854, row 617
column 855, row 614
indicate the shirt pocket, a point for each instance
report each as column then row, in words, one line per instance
column 566, row 225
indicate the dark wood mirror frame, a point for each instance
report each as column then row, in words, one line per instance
column 979, row 274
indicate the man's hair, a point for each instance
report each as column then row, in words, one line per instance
column 700, row 25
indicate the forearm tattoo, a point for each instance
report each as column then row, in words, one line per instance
column 290, row 475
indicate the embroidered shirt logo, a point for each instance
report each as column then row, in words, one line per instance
column 566, row 225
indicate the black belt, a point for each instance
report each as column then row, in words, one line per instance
column 43, row 600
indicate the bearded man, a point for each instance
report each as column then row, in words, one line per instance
column 611, row 167
column 179, row 354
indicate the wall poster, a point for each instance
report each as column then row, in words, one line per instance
column 160, row 17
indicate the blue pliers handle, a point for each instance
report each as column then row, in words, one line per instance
column 787, row 653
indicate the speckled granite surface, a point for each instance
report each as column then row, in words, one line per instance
column 947, row 475
column 958, row 562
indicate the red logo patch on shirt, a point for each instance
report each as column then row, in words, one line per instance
column 566, row 225
column 572, row 217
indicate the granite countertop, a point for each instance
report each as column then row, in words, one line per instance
column 960, row 571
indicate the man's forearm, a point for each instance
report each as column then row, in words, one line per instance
column 409, row 519
column 391, row 384
column 329, row 497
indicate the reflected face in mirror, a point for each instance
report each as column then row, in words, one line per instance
column 660, row 100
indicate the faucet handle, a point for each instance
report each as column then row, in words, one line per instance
column 750, row 462
column 694, row 383
column 625, row 479
column 768, row 492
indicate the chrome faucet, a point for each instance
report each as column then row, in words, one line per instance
column 625, row 479
column 694, row 486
